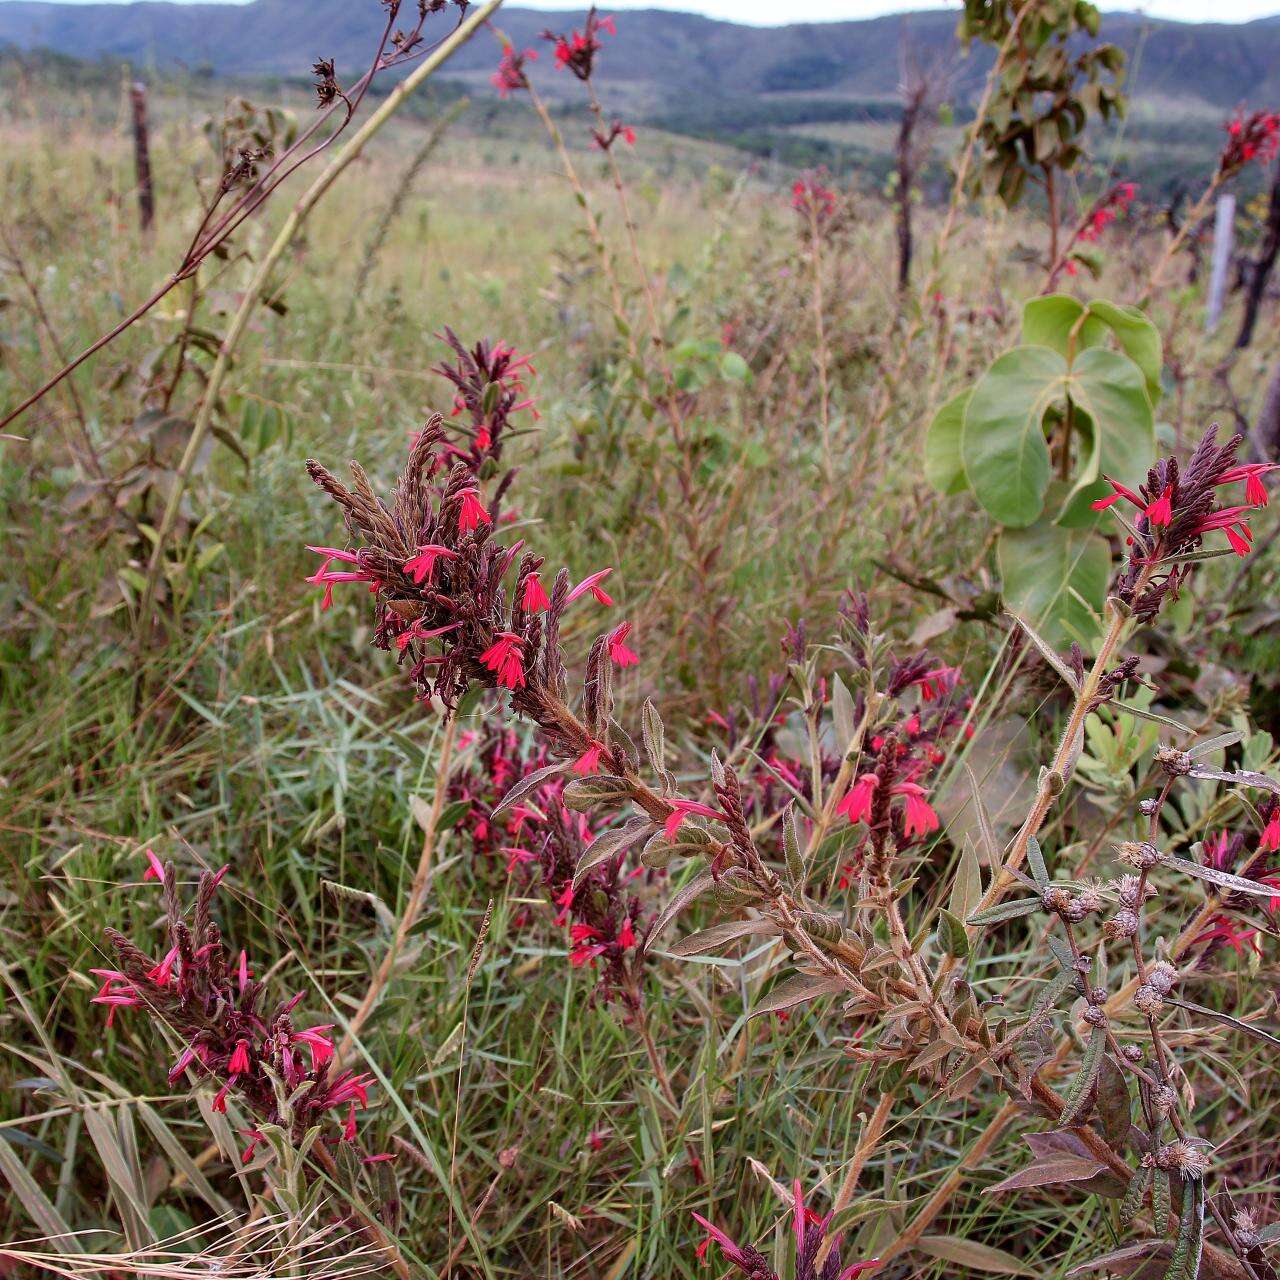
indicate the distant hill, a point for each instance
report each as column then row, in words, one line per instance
column 662, row 59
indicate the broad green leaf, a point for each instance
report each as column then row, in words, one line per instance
column 1056, row 579
column 1110, row 388
column 1048, row 322
column 1139, row 338
column 1002, row 444
column 942, row 465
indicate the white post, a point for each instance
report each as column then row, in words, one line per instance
column 1224, row 226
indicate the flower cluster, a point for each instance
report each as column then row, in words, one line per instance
column 811, row 198
column 604, row 139
column 229, row 1034
column 576, row 52
column 810, row 1230
column 1176, row 508
column 489, row 388
column 1116, row 202
column 1250, row 137
column 511, row 77
column 542, row 841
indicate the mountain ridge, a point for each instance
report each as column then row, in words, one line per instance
column 666, row 52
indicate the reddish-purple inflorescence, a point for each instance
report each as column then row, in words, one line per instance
column 230, row 1035
column 810, row 1231
column 576, row 51
column 1255, row 136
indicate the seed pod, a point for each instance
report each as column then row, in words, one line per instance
column 583, row 793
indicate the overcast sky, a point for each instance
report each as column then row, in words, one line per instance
column 774, row 11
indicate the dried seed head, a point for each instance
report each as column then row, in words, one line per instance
column 1130, row 890
column 1098, row 995
column 1148, row 1000
column 1177, row 764
column 1090, row 899
column 1183, row 1158
column 1133, row 1053
column 1246, row 1228
column 1056, row 900
column 1095, row 1017
column 1075, row 911
column 1147, row 807
column 1162, row 976
column 1124, row 924
column 1164, row 1099
column 1139, row 855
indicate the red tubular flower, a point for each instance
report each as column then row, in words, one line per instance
column 473, row 513
column 155, row 868
column 422, row 566
column 162, row 974
column 320, row 1045
column 534, row 599
column 681, row 809
column 239, row 1062
column 510, row 75
column 589, row 760
column 1160, row 512
column 619, row 652
column 592, row 583
column 505, row 659
column 856, row 805
column 920, row 816
column 1270, row 841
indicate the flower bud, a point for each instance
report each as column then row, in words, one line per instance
column 1164, row 1099
column 1162, row 976
column 1095, row 1017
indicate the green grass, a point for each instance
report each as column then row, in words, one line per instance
column 258, row 732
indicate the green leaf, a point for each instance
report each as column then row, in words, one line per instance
column 971, row 1256
column 734, row 367
column 1080, row 1096
column 1049, row 321
column 1002, row 444
column 1139, row 338
column 1006, row 911
column 1111, row 389
column 943, row 468
column 1035, row 861
column 1055, row 578
column 951, row 935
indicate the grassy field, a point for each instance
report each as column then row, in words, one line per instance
column 247, row 728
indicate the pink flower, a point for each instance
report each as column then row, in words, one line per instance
column 856, row 805
column 423, row 563
column 473, row 514
column 534, row 599
column 505, row 659
column 219, row 1103
column 244, row 972
column 589, row 760
column 592, row 583
column 626, row 935
column 619, row 652
column 349, row 1130
column 155, row 868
